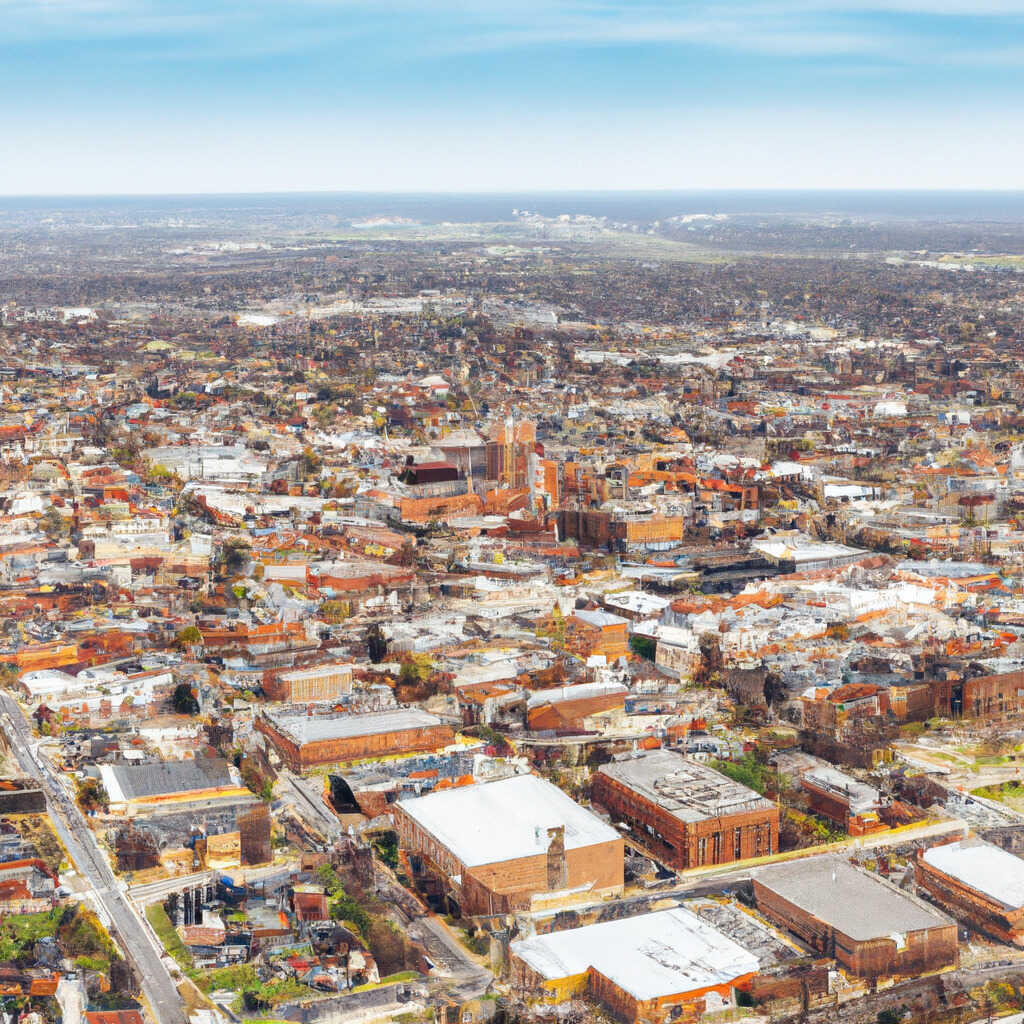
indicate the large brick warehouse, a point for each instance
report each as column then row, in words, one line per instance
column 870, row 927
column 979, row 883
column 687, row 814
column 306, row 739
column 509, row 845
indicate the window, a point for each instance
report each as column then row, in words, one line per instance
column 737, row 843
column 702, row 850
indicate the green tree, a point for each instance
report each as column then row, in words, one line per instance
column 92, row 795
column 376, row 643
column 184, row 700
column 644, row 646
column 189, row 636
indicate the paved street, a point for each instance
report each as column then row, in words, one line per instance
column 135, row 938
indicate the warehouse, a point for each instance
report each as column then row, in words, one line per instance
column 514, row 844
column 651, row 968
column 979, row 883
column 687, row 814
column 306, row 737
column 869, row 926
column 162, row 782
column 314, row 682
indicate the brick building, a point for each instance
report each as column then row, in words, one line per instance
column 590, row 633
column 508, row 845
column 305, row 738
column 665, row 966
column 687, row 814
column 851, row 804
column 870, row 927
column 979, row 883
column 314, row 682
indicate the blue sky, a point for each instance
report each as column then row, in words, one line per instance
column 450, row 95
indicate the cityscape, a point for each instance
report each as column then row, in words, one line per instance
column 511, row 513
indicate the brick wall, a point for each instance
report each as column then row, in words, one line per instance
column 925, row 950
column 508, row 885
column 982, row 913
column 355, row 748
column 683, row 844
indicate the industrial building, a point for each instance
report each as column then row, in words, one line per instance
column 869, row 926
column 513, row 844
column 688, row 814
column 979, row 883
column 307, row 737
column 653, row 967
column 141, row 786
column 314, row 682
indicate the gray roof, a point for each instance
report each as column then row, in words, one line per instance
column 304, row 728
column 143, row 780
column 860, row 905
column 687, row 789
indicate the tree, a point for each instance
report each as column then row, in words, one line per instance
column 52, row 523
column 92, row 796
column 189, row 636
column 235, row 554
column 376, row 643
column 643, row 646
column 184, row 700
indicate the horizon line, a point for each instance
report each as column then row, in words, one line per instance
column 873, row 190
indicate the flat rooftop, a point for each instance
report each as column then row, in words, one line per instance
column 689, row 790
column 304, row 728
column 504, row 820
column 669, row 952
column 858, row 904
column 983, row 867
column 164, row 778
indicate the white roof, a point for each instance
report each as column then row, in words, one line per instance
column 505, row 820
column 666, row 953
column 983, row 867
column 581, row 691
column 598, row 618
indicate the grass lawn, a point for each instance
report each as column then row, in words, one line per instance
column 168, row 935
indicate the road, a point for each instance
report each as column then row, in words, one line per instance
column 134, row 936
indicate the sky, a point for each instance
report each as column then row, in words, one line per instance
column 155, row 96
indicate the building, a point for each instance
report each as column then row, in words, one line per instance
column 851, row 804
column 315, row 682
column 979, row 883
column 796, row 552
column 565, row 708
column 591, row 633
column 254, row 835
column 689, row 815
column 870, row 927
column 306, row 737
column 140, row 786
column 515, row 844
column 669, row 965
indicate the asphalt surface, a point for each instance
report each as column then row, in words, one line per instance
column 133, row 935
